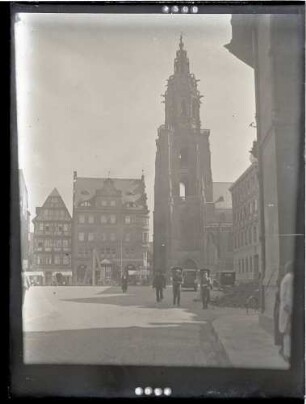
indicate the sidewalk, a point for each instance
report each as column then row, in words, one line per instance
column 246, row 343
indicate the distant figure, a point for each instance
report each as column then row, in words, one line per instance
column 285, row 310
column 25, row 285
column 159, row 283
column 205, row 286
column 124, row 282
column 278, row 340
column 177, row 281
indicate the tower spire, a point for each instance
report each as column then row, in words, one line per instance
column 181, row 62
column 181, row 42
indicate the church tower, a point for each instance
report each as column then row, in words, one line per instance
column 183, row 181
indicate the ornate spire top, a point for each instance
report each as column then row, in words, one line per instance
column 181, row 63
column 181, row 42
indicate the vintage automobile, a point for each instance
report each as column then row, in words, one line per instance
column 189, row 279
column 226, row 278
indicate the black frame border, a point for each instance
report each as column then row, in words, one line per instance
column 120, row 381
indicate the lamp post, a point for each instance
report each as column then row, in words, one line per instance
column 163, row 254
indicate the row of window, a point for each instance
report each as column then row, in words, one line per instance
column 52, row 227
column 110, row 252
column 52, row 243
column 90, row 236
column 245, row 212
column 49, row 259
column 101, row 202
column 54, row 201
column 105, row 204
column 246, row 237
column 103, row 219
column 111, row 219
column 249, row 264
column 53, row 213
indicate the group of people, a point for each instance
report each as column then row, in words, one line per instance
column 283, row 312
column 159, row 284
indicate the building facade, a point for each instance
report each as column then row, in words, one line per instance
column 246, row 225
column 110, row 229
column 183, row 191
column 273, row 45
column 218, row 230
column 31, row 250
column 52, row 242
column 24, row 222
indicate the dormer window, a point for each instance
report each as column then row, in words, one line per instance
column 86, row 203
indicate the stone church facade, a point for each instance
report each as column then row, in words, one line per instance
column 183, row 193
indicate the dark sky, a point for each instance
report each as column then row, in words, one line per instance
column 89, row 96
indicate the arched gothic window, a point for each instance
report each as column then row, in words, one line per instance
column 183, row 190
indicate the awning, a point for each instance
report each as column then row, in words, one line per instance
column 34, row 273
column 132, row 272
column 64, row 273
column 105, row 262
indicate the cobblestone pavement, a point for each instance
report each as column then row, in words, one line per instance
column 100, row 325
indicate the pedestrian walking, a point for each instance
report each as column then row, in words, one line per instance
column 205, row 286
column 124, row 282
column 177, row 281
column 25, row 285
column 159, row 283
column 285, row 310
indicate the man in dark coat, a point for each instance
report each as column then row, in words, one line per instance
column 177, row 281
column 205, row 286
column 124, row 282
column 159, row 283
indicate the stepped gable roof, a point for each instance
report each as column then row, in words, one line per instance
column 131, row 190
column 222, row 189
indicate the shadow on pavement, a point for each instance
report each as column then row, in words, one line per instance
column 181, row 345
column 140, row 297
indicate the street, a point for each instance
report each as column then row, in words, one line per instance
column 101, row 325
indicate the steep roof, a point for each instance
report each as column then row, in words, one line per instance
column 55, row 193
column 131, row 189
column 47, row 204
column 221, row 189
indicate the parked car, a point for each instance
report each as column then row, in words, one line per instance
column 226, row 278
column 190, row 279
